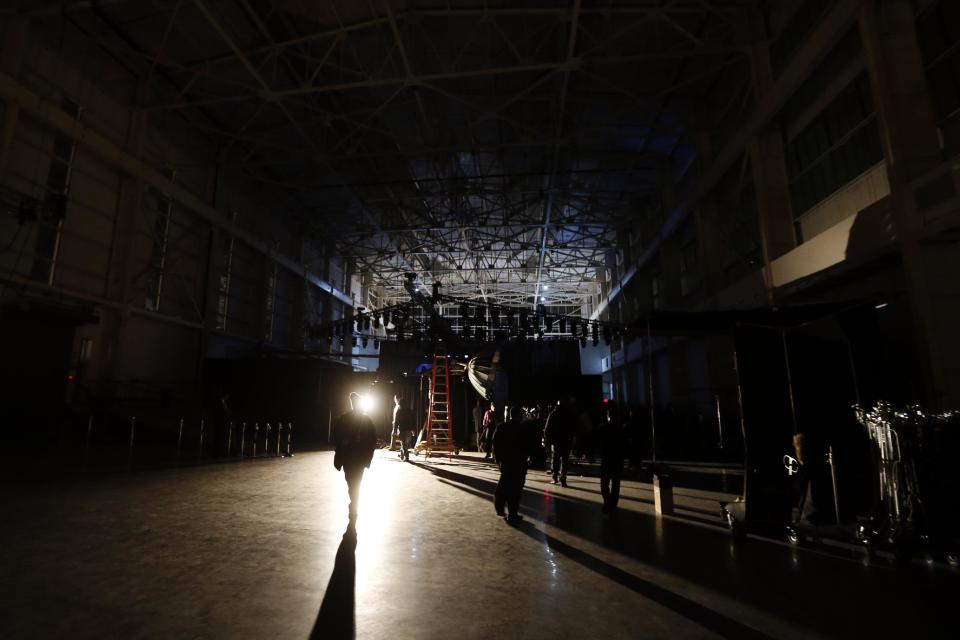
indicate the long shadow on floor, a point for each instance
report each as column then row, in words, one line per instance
column 828, row 596
column 335, row 621
column 689, row 609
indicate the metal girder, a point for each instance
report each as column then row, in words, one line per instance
column 481, row 146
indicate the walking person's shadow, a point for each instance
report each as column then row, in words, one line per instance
column 335, row 621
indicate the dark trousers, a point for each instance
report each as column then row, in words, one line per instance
column 354, row 476
column 561, row 458
column 610, row 472
column 510, row 488
column 405, row 438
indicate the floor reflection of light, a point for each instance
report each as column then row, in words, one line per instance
column 658, row 533
column 377, row 497
column 552, row 561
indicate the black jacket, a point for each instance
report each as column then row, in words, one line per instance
column 355, row 438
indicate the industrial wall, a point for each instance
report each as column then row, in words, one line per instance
column 838, row 182
column 153, row 241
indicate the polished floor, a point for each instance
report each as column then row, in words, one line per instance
column 258, row 550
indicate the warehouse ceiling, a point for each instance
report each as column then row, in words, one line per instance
column 496, row 147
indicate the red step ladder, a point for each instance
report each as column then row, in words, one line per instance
column 438, row 432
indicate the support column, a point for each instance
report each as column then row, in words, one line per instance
column 769, row 167
column 710, row 254
column 911, row 148
column 115, row 323
column 11, row 63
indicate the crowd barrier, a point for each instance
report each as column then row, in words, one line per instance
column 144, row 441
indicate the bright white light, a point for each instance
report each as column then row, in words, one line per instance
column 545, row 287
column 367, row 403
column 542, row 299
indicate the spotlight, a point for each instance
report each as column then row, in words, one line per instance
column 376, row 345
column 596, row 335
column 364, row 342
column 367, row 403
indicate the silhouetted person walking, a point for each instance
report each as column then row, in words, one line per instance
column 355, row 438
column 511, row 447
column 490, row 422
column 402, row 426
column 611, row 462
column 558, row 435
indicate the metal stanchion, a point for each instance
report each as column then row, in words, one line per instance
column 86, row 444
column 256, row 432
column 243, row 435
column 133, row 425
column 229, row 437
column 716, row 400
column 266, row 440
column 833, row 479
column 289, row 433
column 200, row 448
column 279, row 436
column 179, row 439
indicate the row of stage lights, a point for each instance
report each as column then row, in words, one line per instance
column 480, row 323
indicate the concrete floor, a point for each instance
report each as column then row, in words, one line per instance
column 257, row 550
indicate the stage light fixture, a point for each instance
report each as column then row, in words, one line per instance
column 353, row 341
column 583, row 341
column 596, row 335
column 367, row 403
column 364, row 342
column 376, row 345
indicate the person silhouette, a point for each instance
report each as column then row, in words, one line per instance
column 355, row 438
